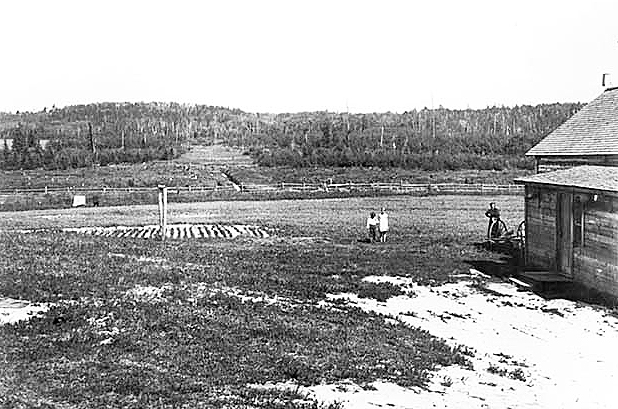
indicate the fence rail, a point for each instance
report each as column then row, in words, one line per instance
column 427, row 188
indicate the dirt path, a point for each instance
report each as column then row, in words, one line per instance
column 215, row 155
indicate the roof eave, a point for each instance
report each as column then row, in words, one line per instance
column 575, row 154
column 566, row 187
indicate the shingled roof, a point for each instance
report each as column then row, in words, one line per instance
column 588, row 177
column 593, row 130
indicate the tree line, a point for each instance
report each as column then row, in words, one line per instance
column 106, row 133
column 491, row 138
column 84, row 135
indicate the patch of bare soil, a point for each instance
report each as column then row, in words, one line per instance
column 12, row 310
column 215, row 155
column 529, row 352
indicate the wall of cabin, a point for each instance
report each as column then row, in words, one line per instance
column 595, row 262
column 540, row 227
column 552, row 163
column 9, row 143
column 595, row 257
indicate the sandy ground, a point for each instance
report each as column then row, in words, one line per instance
column 528, row 352
column 12, row 310
column 542, row 353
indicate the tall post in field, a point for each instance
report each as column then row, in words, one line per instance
column 162, row 211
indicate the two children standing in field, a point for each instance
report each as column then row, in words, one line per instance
column 377, row 226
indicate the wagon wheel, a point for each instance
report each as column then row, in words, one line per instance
column 497, row 229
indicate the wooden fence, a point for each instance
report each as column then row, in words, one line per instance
column 386, row 188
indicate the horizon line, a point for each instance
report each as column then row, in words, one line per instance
column 348, row 112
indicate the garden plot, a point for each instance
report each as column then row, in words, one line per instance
column 176, row 231
column 529, row 352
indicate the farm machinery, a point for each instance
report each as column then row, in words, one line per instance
column 500, row 237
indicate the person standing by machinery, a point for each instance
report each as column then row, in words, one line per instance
column 493, row 213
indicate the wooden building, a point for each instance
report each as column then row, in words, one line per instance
column 589, row 137
column 572, row 224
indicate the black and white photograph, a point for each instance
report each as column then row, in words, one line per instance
column 308, row 204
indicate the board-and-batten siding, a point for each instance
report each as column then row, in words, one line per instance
column 596, row 263
column 551, row 163
column 541, row 228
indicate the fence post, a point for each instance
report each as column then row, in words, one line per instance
column 163, row 211
column 45, row 189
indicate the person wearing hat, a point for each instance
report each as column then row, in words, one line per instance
column 493, row 213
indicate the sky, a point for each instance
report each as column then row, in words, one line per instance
column 290, row 56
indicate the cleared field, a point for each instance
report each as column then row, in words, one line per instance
column 215, row 154
column 195, row 323
column 200, row 166
column 217, row 172
column 140, row 175
column 266, row 175
column 339, row 219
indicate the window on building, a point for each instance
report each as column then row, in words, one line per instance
column 578, row 223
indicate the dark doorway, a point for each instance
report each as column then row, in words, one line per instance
column 564, row 234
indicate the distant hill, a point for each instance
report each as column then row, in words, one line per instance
column 105, row 133
column 80, row 135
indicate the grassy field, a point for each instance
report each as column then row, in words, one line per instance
column 265, row 175
column 139, row 323
column 63, row 199
column 214, row 166
column 178, row 173
column 147, row 174
column 200, row 166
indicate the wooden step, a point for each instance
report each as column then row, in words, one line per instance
column 545, row 282
column 520, row 284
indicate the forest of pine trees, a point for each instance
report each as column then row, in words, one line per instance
column 434, row 139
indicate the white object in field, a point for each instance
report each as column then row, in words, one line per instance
column 79, row 200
